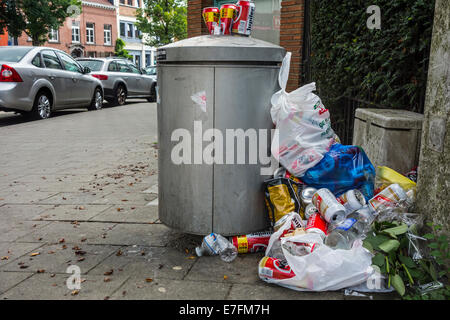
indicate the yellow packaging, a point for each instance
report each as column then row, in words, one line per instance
column 387, row 176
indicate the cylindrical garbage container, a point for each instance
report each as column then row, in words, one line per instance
column 213, row 101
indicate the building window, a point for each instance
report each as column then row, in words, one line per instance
column 75, row 32
column 130, row 2
column 122, row 29
column 90, row 31
column 107, row 34
column 130, row 30
column 138, row 3
column 53, row 36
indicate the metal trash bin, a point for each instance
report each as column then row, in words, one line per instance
column 205, row 83
column 389, row 137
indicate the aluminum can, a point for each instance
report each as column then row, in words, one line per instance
column 306, row 196
column 295, row 222
column 352, row 200
column 251, row 243
column 227, row 14
column 317, row 224
column 330, row 209
column 310, row 210
column 211, row 17
column 388, row 197
column 279, row 173
column 245, row 15
column 271, row 268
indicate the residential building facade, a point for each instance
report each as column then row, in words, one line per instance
column 277, row 21
column 93, row 33
column 143, row 55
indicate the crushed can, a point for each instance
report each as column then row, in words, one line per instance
column 251, row 243
column 329, row 207
column 317, row 224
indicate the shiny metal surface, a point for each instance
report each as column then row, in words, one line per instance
column 221, row 48
column 224, row 198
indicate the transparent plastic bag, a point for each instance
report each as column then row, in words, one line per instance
column 304, row 132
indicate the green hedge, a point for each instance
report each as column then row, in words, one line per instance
column 386, row 66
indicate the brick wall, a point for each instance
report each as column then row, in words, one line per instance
column 196, row 26
column 291, row 38
column 291, row 31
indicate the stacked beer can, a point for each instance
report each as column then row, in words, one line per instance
column 230, row 18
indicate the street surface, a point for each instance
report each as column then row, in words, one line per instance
column 80, row 189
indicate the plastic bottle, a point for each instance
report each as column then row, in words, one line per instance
column 354, row 227
column 216, row 244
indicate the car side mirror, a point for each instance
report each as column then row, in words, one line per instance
column 86, row 70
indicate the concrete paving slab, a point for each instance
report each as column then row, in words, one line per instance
column 21, row 229
column 77, row 198
column 148, row 262
column 9, row 280
column 28, row 197
column 167, row 289
column 156, row 235
column 128, row 213
column 10, row 251
column 57, row 258
column 244, row 269
column 10, row 213
column 74, row 232
column 71, row 212
column 46, row 287
column 274, row 292
column 119, row 198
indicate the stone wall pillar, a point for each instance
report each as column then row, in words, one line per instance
column 433, row 196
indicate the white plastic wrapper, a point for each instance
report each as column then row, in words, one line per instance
column 303, row 125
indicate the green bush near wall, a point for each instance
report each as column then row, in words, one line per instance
column 386, row 66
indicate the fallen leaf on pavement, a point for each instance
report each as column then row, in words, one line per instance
column 51, row 252
column 83, row 240
column 108, row 273
column 62, row 240
column 191, row 257
column 41, row 271
column 148, row 280
column 4, row 258
column 119, row 253
column 35, row 254
column 75, row 292
column 81, row 259
column 80, row 252
column 177, row 268
column 107, row 279
column 64, row 246
column 52, row 275
column 76, row 248
column 162, row 290
column 23, row 266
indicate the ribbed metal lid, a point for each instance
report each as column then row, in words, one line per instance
column 391, row 118
column 221, row 48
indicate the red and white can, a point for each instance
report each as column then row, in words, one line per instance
column 271, row 268
column 317, row 224
column 352, row 200
column 251, row 243
column 211, row 17
column 328, row 206
column 227, row 14
column 245, row 15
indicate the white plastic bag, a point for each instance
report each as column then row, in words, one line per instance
column 324, row 268
column 304, row 132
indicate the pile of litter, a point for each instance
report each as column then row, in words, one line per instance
column 336, row 221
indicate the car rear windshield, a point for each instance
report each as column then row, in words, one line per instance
column 13, row 54
column 94, row 65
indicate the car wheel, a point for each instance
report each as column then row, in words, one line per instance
column 97, row 100
column 152, row 94
column 42, row 108
column 121, row 96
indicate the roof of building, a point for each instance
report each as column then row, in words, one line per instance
column 100, row 2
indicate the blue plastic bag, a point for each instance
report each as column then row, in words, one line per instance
column 343, row 168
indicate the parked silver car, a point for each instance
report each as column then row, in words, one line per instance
column 38, row 80
column 121, row 79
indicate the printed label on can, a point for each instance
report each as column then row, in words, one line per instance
column 227, row 13
column 211, row 16
column 347, row 224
